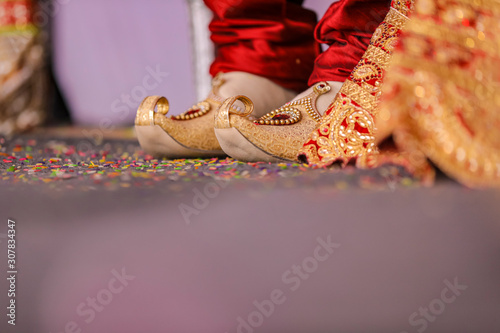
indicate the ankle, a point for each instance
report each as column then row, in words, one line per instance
column 323, row 101
column 265, row 94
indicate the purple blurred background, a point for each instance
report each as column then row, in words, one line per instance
column 104, row 52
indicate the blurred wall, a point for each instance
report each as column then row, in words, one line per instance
column 108, row 55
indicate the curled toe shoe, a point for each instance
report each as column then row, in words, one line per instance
column 274, row 137
column 188, row 135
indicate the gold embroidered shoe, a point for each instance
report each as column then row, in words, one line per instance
column 189, row 134
column 274, row 137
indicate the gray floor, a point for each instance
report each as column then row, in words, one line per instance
column 210, row 255
column 201, row 271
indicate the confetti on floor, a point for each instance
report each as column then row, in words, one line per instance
column 75, row 164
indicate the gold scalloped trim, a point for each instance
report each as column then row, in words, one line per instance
column 347, row 130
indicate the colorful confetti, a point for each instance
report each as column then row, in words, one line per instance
column 114, row 165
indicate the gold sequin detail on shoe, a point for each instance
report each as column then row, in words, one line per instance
column 195, row 111
column 290, row 114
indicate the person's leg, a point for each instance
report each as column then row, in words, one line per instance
column 265, row 50
column 346, row 28
column 351, row 128
column 269, row 38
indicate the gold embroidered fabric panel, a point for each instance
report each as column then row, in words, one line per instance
column 444, row 89
column 347, row 130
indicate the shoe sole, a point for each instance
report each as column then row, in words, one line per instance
column 239, row 147
column 155, row 141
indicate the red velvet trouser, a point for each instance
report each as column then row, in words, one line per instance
column 279, row 39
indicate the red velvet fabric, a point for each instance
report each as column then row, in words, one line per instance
column 346, row 28
column 269, row 38
column 16, row 14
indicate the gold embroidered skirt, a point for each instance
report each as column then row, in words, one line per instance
column 443, row 88
column 440, row 98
